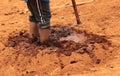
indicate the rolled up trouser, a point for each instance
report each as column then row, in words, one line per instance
column 40, row 13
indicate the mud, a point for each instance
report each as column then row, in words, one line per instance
column 92, row 49
column 62, row 40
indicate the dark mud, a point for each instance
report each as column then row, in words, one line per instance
column 62, row 40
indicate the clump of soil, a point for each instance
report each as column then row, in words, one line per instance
column 62, row 40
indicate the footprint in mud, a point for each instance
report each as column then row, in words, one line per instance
column 62, row 40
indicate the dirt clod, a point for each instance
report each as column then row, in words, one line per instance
column 72, row 62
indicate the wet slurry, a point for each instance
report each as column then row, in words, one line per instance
column 62, row 40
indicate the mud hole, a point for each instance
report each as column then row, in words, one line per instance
column 62, row 41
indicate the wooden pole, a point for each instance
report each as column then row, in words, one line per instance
column 76, row 12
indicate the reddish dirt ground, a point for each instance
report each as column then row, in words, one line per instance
column 87, row 50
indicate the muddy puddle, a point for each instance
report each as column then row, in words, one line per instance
column 62, row 41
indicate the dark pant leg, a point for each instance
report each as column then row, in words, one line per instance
column 46, row 14
column 40, row 12
column 30, row 6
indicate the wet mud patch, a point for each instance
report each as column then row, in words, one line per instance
column 62, row 41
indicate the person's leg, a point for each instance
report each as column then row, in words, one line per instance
column 33, row 34
column 45, row 13
column 41, row 14
column 44, row 27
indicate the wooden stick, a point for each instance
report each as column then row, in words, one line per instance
column 76, row 12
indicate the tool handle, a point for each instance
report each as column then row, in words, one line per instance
column 76, row 12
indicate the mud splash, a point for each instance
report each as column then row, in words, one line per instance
column 62, row 40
